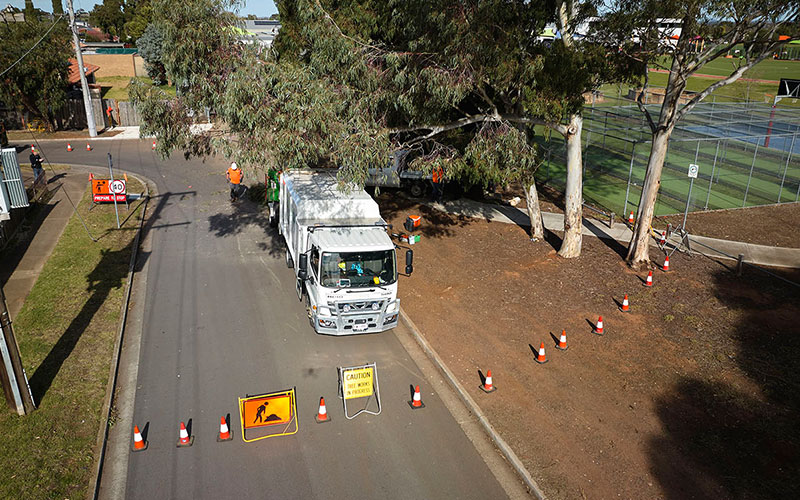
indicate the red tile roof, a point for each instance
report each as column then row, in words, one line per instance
column 74, row 75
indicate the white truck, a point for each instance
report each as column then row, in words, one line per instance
column 346, row 262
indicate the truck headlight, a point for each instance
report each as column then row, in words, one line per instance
column 324, row 311
column 375, row 306
column 327, row 323
column 390, row 319
column 392, row 307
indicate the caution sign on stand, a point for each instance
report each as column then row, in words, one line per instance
column 278, row 409
column 358, row 382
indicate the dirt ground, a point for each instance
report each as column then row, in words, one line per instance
column 693, row 394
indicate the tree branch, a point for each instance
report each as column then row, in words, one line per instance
column 639, row 102
column 721, row 83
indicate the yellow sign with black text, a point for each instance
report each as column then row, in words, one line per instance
column 358, row 383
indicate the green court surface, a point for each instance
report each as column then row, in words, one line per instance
column 735, row 167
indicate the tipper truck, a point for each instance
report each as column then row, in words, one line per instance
column 346, row 266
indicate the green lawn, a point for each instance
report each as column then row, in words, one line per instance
column 66, row 333
column 116, row 87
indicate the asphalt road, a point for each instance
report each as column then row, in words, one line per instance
column 221, row 320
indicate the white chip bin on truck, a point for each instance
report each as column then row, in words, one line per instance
column 346, row 262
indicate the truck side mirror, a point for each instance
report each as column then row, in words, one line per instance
column 302, row 266
column 409, row 261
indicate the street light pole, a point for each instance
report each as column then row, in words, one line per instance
column 14, row 380
column 87, row 101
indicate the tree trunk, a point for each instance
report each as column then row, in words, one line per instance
column 639, row 250
column 573, row 197
column 532, row 200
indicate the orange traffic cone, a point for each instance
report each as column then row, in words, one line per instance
column 416, row 403
column 666, row 264
column 562, row 341
column 154, row 145
column 541, row 359
column 91, row 177
column 322, row 413
column 598, row 328
column 184, row 439
column 33, row 150
column 487, row 384
column 69, row 147
column 649, row 280
column 625, row 307
column 630, row 218
column 663, row 238
column 225, row 434
column 139, row 444
column 88, row 147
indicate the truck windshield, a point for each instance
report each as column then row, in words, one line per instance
column 358, row 269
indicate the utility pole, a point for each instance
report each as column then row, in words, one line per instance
column 87, row 101
column 12, row 374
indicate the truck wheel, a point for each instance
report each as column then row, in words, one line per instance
column 417, row 189
column 289, row 261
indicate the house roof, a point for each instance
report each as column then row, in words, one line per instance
column 74, row 75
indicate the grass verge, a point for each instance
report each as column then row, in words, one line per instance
column 66, row 332
column 116, row 87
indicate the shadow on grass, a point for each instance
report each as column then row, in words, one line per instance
column 109, row 274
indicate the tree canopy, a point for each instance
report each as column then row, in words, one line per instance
column 37, row 84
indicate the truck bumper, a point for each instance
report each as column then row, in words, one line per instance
column 355, row 324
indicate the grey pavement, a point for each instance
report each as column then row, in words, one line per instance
column 220, row 320
column 711, row 247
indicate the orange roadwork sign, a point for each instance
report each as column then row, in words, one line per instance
column 267, row 410
column 100, row 192
column 277, row 408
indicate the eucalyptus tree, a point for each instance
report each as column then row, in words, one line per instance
column 753, row 27
column 347, row 83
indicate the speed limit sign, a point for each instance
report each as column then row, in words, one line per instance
column 117, row 187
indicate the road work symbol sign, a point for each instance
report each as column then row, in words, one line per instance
column 272, row 409
column 357, row 382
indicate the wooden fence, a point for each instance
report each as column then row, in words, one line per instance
column 72, row 115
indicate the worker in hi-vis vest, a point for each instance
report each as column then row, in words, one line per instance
column 437, row 177
column 234, row 176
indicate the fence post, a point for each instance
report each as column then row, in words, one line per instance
column 605, row 129
column 630, row 173
column 750, row 177
column 739, row 264
column 711, row 179
column 786, row 167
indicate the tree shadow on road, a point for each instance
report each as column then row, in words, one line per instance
column 734, row 440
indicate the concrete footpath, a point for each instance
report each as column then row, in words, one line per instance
column 19, row 278
column 711, row 247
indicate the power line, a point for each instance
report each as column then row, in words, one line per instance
column 34, row 46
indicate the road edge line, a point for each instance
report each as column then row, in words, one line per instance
column 470, row 403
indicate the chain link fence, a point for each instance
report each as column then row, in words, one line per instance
column 748, row 155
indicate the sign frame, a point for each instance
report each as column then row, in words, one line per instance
column 374, row 392
column 693, row 170
column 293, row 419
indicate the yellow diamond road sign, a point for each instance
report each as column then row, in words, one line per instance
column 358, row 383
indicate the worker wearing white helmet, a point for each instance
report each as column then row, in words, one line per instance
column 234, row 176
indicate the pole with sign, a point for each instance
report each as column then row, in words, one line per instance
column 111, row 185
column 693, row 170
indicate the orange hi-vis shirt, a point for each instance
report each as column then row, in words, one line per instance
column 235, row 176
